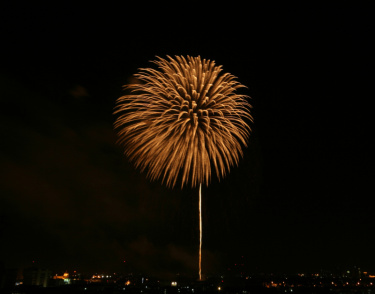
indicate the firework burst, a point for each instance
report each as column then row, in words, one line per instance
column 183, row 120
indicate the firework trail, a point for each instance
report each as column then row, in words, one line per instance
column 200, row 232
column 182, row 121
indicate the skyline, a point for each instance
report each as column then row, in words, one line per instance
column 299, row 199
column 349, row 280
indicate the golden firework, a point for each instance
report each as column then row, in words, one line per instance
column 183, row 120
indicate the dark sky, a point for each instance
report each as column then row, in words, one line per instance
column 301, row 198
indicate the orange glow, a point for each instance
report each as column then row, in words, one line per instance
column 96, row 277
column 182, row 120
column 64, row 276
column 127, row 283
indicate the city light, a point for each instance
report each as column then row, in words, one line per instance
column 338, row 281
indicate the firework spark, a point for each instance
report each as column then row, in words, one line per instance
column 183, row 120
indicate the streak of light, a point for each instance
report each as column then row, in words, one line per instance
column 200, row 232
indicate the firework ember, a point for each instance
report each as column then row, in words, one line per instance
column 183, row 120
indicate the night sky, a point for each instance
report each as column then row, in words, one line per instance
column 302, row 197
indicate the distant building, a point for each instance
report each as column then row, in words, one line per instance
column 61, row 280
column 36, row 277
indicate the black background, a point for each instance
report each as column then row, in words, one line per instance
column 302, row 196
